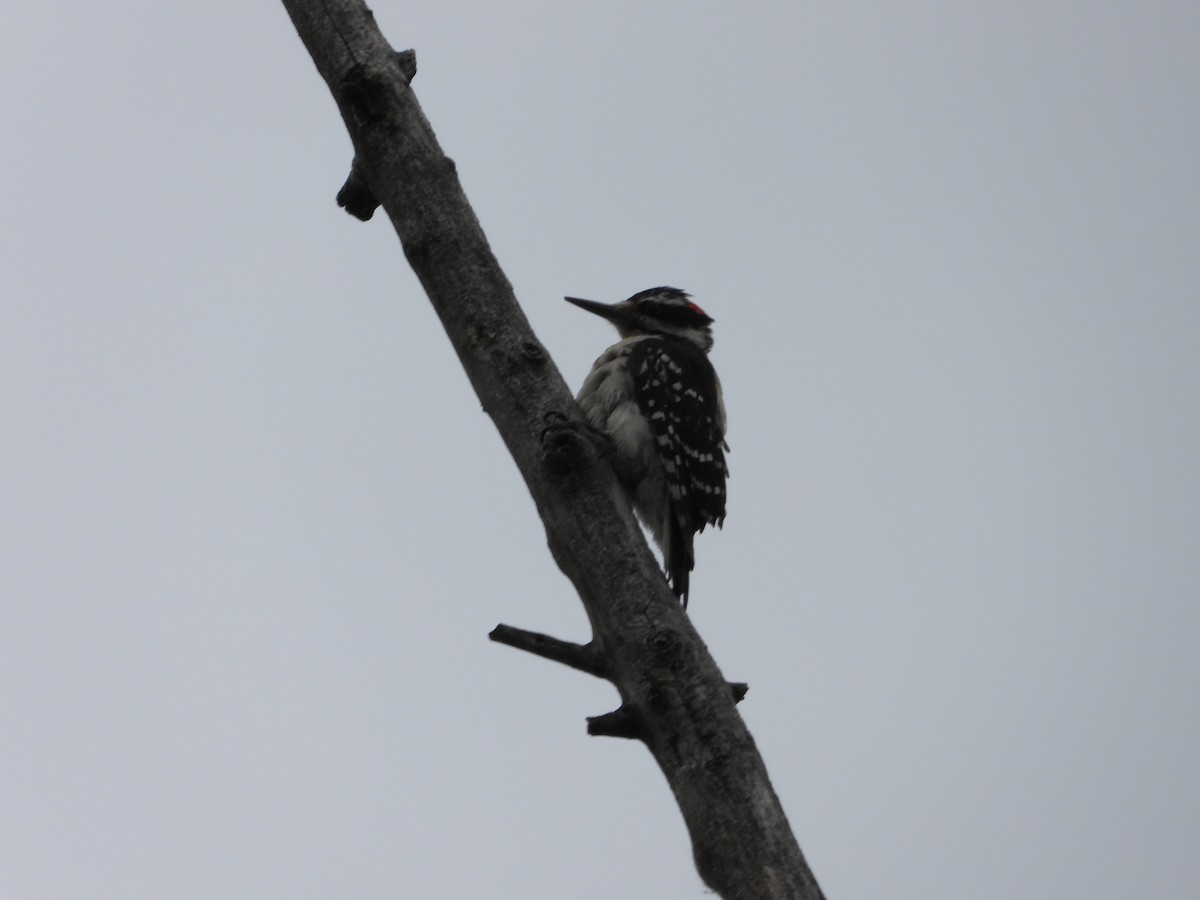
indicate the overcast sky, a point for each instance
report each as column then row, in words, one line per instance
column 256, row 529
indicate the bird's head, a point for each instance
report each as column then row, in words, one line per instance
column 660, row 310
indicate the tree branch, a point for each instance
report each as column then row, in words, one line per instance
column 742, row 845
column 584, row 657
column 623, row 723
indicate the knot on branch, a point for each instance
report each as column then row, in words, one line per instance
column 356, row 196
column 518, row 359
column 364, row 94
column 406, row 62
column 664, row 644
column 533, row 353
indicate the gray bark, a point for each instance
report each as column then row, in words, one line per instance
column 673, row 697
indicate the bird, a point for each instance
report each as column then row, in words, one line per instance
column 657, row 398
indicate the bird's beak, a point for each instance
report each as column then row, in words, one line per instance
column 603, row 310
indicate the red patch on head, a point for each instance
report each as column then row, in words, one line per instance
column 694, row 308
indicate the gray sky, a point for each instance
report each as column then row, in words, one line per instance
column 256, row 528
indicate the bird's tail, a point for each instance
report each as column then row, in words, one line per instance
column 679, row 560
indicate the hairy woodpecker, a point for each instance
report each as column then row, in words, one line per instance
column 658, row 398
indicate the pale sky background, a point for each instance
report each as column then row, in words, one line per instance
column 256, row 528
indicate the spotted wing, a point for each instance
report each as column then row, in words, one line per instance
column 679, row 390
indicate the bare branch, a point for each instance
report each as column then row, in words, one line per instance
column 584, row 657
column 683, row 706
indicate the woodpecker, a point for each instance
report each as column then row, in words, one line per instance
column 656, row 396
